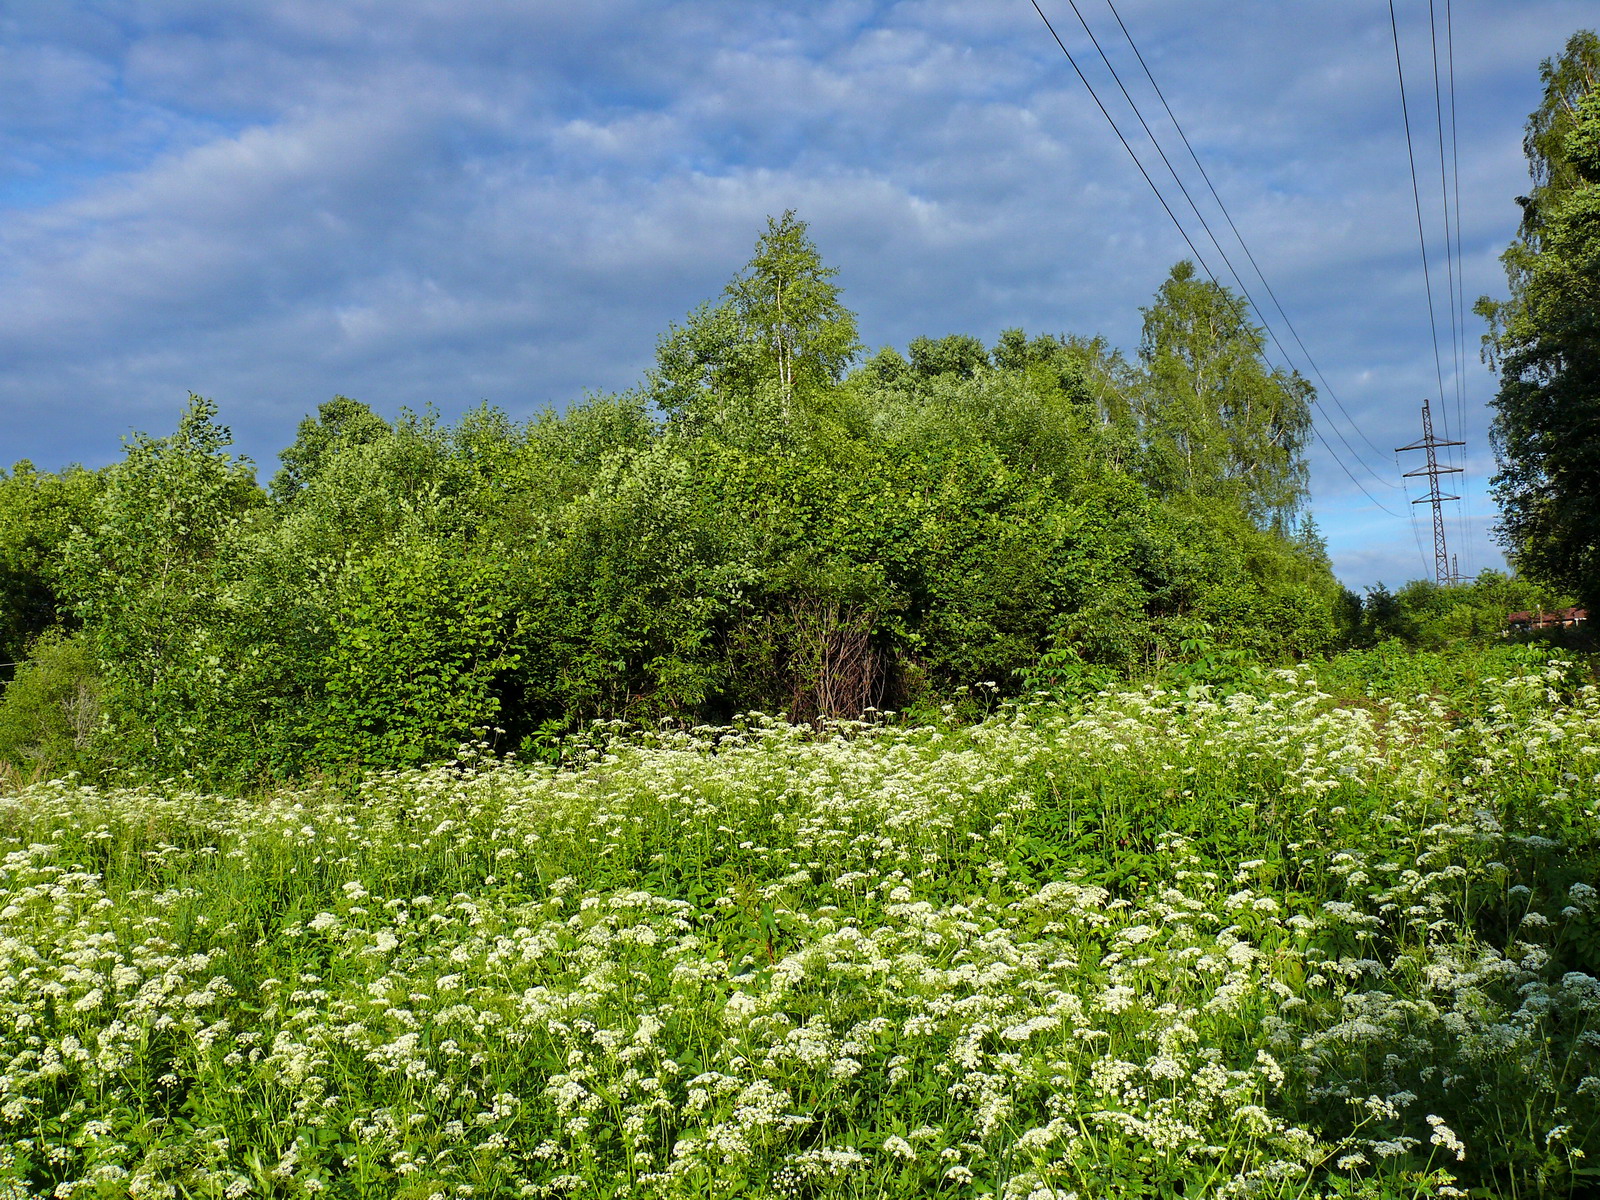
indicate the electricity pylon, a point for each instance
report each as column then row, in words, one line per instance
column 1441, row 554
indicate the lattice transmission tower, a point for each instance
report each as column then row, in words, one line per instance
column 1441, row 554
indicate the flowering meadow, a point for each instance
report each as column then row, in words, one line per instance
column 1153, row 943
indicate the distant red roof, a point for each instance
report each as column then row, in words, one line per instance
column 1560, row 618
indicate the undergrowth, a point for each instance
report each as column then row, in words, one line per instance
column 1156, row 942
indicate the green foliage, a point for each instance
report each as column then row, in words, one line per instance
column 147, row 575
column 787, row 303
column 50, row 713
column 752, row 529
column 1464, row 673
column 370, row 617
column 1424, row 614
column 622, row 593
column 956, row 354
column 1300, row 942
column 38, row 511
column 1061, row 673
column 1546, row 343
column 707, row 372
column 340, row 423
column 1217, row 421
column 416, row 641
column 1568, row 79
column 887, row 368
column 780, row 337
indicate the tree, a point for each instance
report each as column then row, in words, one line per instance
column 887, row 368
column 778, row 336
column 957, row 354
column 38, row 511
column 1218, row 420
column 339, row 424
column 704, row 367
column 786, row 300
column 1545, row 339
column 148, row 577
column 1567, row 80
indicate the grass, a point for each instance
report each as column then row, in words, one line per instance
column 1150, row 943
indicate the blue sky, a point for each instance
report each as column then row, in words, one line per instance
column 442, row 202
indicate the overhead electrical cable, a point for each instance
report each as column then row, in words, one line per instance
column 1461, row 272
column 1334, row 454
column 1168, row 208
column 1444, row 199
column 1452, row 267
column 1249, row 299
column 1416, row 196
column 1455, row 166
column 1422, row 241
column 1115, row 129
column 1238, row 278
column 1204, row 174
column 1176, row 178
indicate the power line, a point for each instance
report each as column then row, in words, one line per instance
column 1176, row 178
column 1204, row 174
column 1334, row 454
column 1173, row 216
column 1455, row 166
column 1444, row 198
column 1452, row 270
column 1416, row 196
column 1461, row 273
column 1115, row 129
column 1422, row 240
column 1238, row 278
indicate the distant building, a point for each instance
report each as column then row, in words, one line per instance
column 1561, row 618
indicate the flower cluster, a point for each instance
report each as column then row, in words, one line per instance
column 1267, row 944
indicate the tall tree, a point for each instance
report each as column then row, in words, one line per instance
column 787, row 300
column 779, row 335
column 1545, row 338
column 339, row 424
column 147, row 574
column 1567, row 80
column 1217, row 419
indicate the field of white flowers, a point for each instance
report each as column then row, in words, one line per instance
column 1155, row 944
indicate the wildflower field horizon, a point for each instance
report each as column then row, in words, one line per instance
column 1288, row 942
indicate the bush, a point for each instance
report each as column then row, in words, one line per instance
column 50, row 713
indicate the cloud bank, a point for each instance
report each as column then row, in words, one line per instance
column 423, row 203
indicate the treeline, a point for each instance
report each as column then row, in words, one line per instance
column 762, row 524
column 1544, row 337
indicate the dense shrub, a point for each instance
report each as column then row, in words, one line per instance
column 51, row 713
column 757, row 528
column 38, row 511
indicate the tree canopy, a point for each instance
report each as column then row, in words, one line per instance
column 786, row 300
column 1218, row 420
column 779, row 336
column 757, row 526
column 1545, row 339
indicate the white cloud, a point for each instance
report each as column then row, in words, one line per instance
column 452, row 200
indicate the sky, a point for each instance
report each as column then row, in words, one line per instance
column 445, row 202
